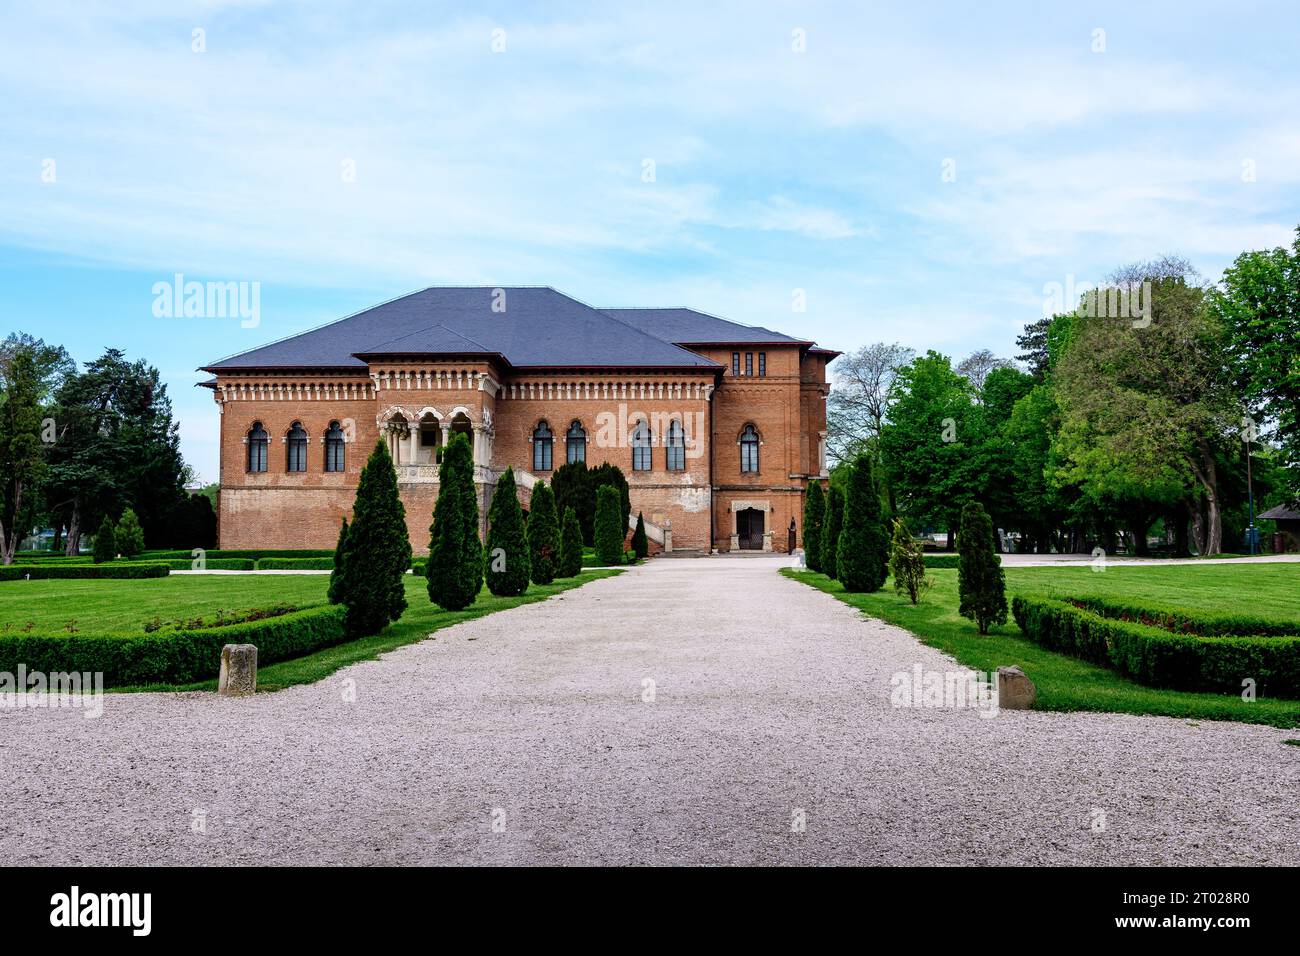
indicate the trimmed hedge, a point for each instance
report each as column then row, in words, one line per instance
column 212, row 564
column 943, row 561
column 123, row 570
column 1161, row 658
column 174, row 657
column 253, row 553
column 1198, row 625
column 294, row 564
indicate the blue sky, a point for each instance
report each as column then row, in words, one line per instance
column 775, row 169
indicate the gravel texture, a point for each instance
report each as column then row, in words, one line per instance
column 523, row 738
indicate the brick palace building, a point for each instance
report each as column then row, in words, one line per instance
column 718, row 426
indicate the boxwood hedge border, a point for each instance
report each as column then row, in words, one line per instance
column 174, row 657
column 1203, row 655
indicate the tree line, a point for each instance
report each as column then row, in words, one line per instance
column 374, row 550
column 80, row 447
column 1108, row 427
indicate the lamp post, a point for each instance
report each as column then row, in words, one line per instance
column 1248, row 435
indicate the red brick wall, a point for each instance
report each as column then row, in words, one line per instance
column 277, row 509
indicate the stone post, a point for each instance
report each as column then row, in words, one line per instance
column 1015, row 690
column 238, row 677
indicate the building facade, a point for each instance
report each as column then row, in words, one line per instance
column 717, row 426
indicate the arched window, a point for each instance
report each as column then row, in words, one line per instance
column 258, row 439
column 334, row 448
column 749, row 449
column 676, row 446
column 297, row 457
column 575, row 443
column 641, row 446
column 542, row 442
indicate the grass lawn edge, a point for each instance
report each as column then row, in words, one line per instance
column 1064, row 684
column 419, row 623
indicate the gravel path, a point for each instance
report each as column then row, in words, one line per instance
column 524, row 737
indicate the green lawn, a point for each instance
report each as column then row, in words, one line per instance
column 126, row 605
column 1065, row 683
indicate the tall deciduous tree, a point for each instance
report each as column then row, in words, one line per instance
column 378, row 550
column 977, row 366
column 508, row 567
column 1153, row 399
column 860, row 396
column 933, row 444
column 1259, row 308
column 455, row 569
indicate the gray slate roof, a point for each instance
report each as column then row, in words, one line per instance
column 690, row 327
column 1283, row 513
column 540, row 327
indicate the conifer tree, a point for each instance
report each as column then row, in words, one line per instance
column 814, row 508
column 455, row 568
column 907, row 564
column 543, row 535
column 333, row 592
column 862, row 558
column 570, row 545
column 378, row 550
column 507, row 564
column 832, row 523
column 105, row 542
column 981, row 582
column 610, row 532
column 128, row 535
column 640, row 543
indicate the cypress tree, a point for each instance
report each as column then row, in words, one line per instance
column 907, row 564
column 105, row 542
column 862, row 557
column 570, row 563
column 333, row 592
column 543, row 535
column 610, row 531
column 981, row 582
column 640, row 543
column 573, row 489
column 507, row 561
column 832, row 523
column 607, row 474
column 378, row 550
column 455, row 568
column 128, row 536
column 814, row 508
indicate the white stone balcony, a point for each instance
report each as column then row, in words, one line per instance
column 417, row 474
